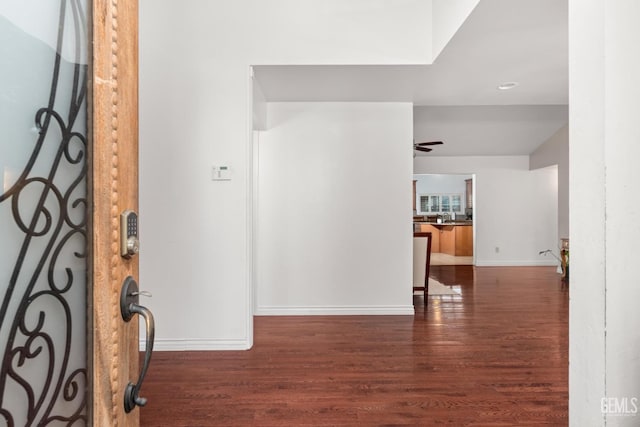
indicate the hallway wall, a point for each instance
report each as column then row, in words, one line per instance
column 555, row 151
column 334, row 210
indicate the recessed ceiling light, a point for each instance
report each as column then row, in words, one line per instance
column 507, row 85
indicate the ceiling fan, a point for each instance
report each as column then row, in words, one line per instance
column 424, row 146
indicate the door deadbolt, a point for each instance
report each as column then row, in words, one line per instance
column 129, row 242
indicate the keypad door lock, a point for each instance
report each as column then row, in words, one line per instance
column 129, row 243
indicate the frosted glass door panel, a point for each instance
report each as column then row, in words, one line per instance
column 43, row 212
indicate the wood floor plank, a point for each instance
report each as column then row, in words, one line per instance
column 495, row 355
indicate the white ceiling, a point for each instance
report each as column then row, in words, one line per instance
column 502, row 40
column 498, row 130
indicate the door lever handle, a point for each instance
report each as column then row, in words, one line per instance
column 128, row 307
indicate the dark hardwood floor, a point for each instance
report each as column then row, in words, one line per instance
column 496, row 355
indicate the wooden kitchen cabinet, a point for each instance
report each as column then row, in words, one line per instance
column 414, row 197
column 464, row 241
column 450, row 239
column 469, row 192
column 435, row 236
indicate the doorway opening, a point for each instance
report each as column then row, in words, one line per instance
column 443, row 205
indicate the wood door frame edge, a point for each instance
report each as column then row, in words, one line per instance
column 114, row 132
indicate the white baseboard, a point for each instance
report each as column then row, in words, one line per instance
column 516, row 263
column 197, row 345
column 336, row 310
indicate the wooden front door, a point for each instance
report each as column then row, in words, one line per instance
column 115, row 189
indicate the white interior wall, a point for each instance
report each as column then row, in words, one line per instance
column 195, row 112
column 604, row 368
column 515, row 210
column 555, row 151
column 334, row 209
column 622, row 137
column 542, row 217
column 259, row 103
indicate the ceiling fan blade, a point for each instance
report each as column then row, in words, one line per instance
column 422, row 144
column 425, row 149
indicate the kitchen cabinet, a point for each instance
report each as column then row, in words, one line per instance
column 448, row 239
column 452, row 239
column 469, row 192
column 435, row 236
column 414, row 197
column 463, row 241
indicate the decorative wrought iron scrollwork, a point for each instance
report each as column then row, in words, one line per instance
column 48, row 203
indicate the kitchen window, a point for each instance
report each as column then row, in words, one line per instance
column 440, row 203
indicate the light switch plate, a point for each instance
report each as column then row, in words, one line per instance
column 221, row 173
